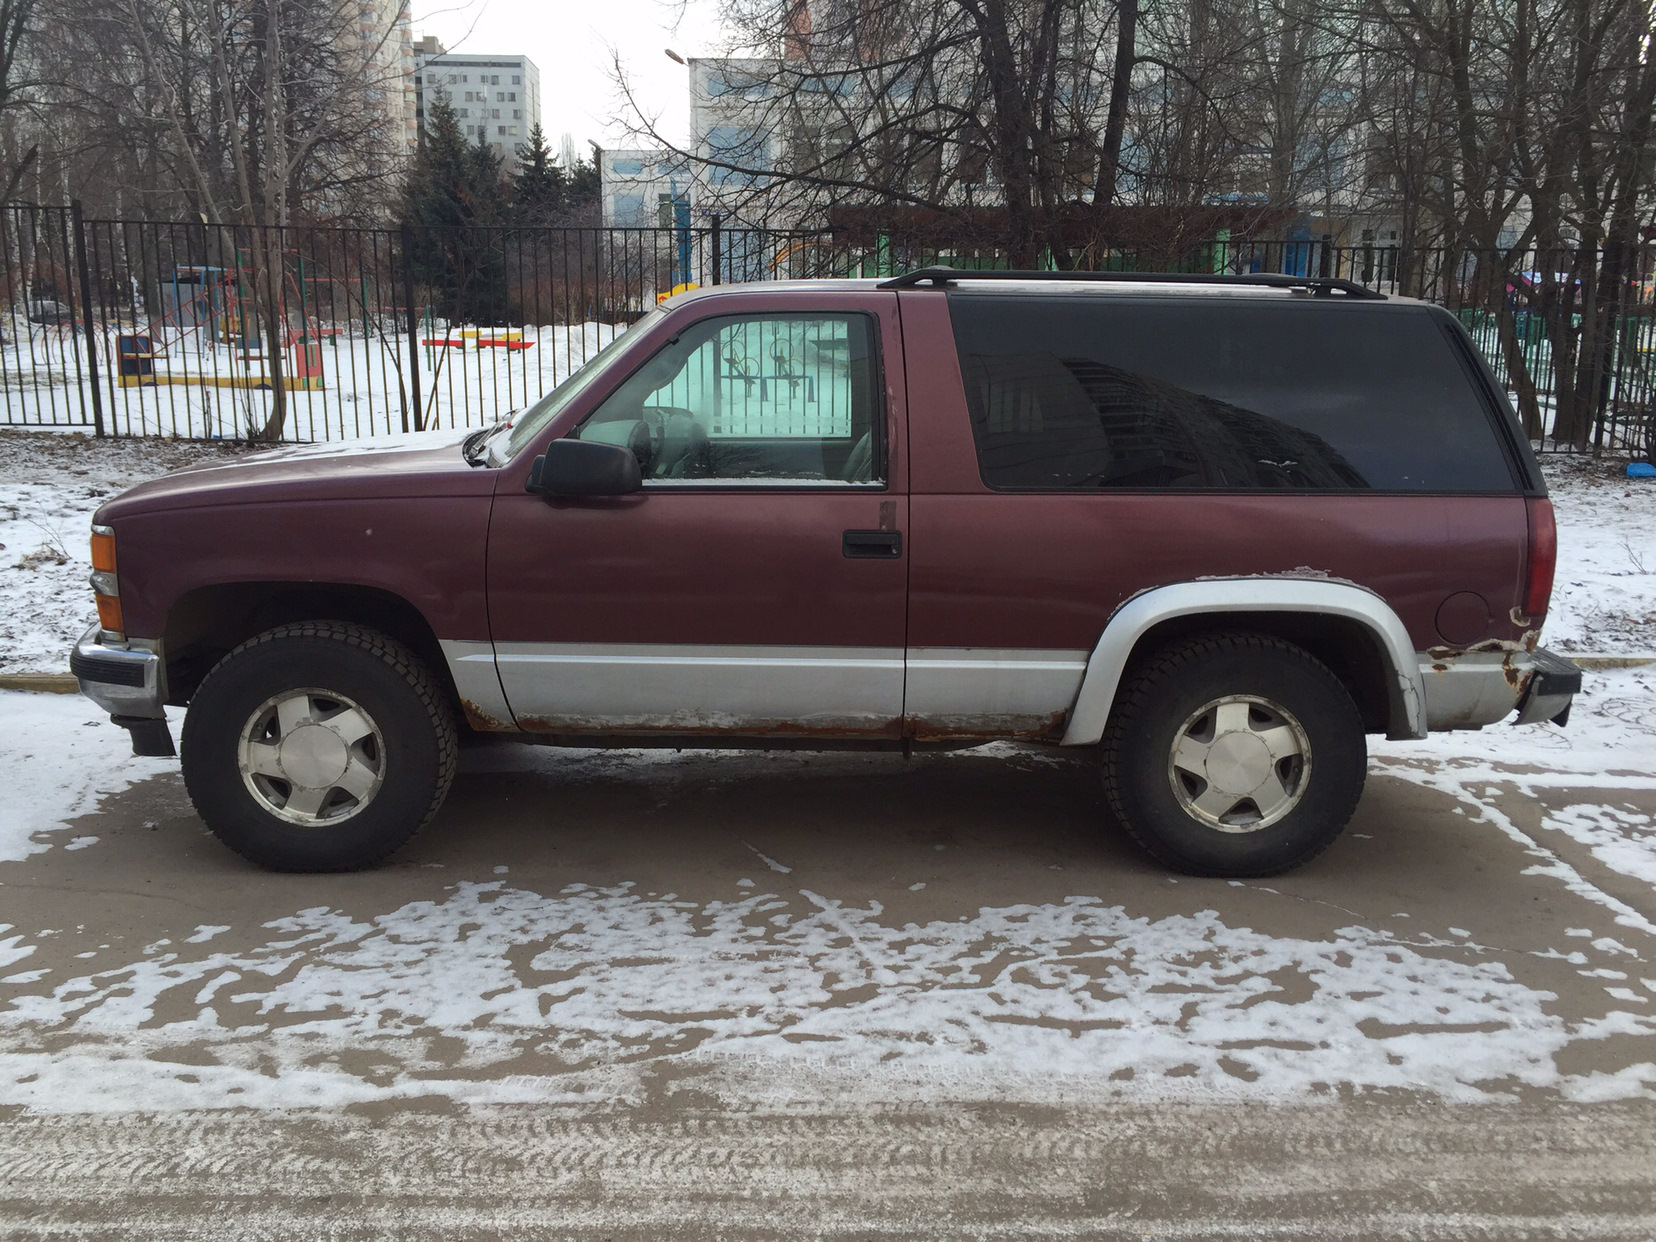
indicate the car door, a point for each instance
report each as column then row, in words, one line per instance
column 757, row 584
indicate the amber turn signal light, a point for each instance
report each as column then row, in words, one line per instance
column 109, row 614
column 103, row 549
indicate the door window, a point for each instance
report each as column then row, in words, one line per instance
column 763, row 399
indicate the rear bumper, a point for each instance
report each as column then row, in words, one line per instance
column 126, row 681
column 1552, row 688
column 1474, row 689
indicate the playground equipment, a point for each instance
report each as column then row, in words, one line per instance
column 479, row 338
column 210, row 308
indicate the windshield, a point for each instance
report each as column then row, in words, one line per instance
column 527, row 425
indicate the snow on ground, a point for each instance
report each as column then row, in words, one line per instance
column 496, row 993
column 1067, row 995
column 1604, row 594
column 367, row 386
column 50, row 486
column 61, row 758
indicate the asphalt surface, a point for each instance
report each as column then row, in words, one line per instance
column 699, row 996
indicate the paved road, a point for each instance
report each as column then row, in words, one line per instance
column 755, row 996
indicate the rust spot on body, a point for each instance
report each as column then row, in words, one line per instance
column 1045, row 729
column 480, row 720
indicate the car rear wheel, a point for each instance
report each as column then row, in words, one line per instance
column 1234, row 755
column 320, row 746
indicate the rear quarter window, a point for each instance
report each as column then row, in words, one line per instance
column 1229, row 394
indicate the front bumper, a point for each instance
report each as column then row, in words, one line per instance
column 127, row 683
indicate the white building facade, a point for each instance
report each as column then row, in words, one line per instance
column 644, row 188
column 494, row 97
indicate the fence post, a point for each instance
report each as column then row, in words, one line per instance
column 411, row 325
column 78, row 225
column 717, row 258
column 1325, row 265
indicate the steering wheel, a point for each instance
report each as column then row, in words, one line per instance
column 645, row 440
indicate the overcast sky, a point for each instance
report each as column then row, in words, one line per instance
column 571, row 41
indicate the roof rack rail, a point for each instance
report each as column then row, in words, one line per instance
column 1319, row 286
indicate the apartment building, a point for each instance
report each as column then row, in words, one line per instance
column 382, row 43
column 495, row 97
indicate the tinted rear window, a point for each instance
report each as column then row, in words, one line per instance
column 1233, row 394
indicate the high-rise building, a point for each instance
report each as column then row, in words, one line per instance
column 494, row 97
column 384, row 40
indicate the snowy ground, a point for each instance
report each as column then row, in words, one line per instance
column 50, row 485
column 790, row 928
column 367, row 384
column 1604, row 594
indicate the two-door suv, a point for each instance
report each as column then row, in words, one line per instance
column 1217, row 529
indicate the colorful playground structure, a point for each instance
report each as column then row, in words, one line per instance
column 210, row 309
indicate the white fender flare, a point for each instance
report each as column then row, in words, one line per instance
column 1325, row 596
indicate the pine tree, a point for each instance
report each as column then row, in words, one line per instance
column 481, row 295
column 485, row 184
column 538, row 189
column 437, row 191
column 582, row 186
column 454, row 196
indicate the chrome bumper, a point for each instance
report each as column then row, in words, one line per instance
column 1474, row 689
column 127, row 683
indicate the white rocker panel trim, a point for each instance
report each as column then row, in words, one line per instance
column 1325, row 596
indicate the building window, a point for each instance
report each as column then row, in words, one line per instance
column 500, row 131
column 739, row 145
column 512, row 95
column 513, row 131
column 517, row 79
column 495, row 114
column 517, row 114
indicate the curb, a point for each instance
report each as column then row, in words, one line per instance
column 41, row 683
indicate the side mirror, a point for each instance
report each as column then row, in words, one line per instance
column 584, row 468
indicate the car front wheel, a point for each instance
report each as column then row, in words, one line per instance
column 1234, row 755
column 319, row 746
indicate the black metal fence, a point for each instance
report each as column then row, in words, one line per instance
column 206, row 331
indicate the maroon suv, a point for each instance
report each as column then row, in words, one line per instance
column 1218, row 529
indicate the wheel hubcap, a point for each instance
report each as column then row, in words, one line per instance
column 1240, row 763
column 312, row 757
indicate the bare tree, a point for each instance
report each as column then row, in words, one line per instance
column 17, row 60
column 989, row 118
column 280, row 120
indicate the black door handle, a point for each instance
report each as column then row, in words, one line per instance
column 873, row 545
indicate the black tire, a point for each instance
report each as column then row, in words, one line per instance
column 1155, row 709
column 411, row 748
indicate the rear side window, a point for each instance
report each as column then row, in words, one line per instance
column 1231, row 394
